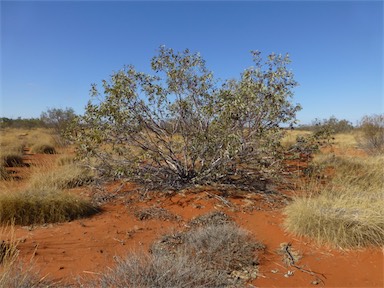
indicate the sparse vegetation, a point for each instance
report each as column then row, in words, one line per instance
column 332, row 124
column 58, row 119
column 211, row 255
column 372, row 138
column 348, row 211
column 155, row 213
column 13, row 272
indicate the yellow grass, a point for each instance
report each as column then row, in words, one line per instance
column 347, row 212
column 42, row 196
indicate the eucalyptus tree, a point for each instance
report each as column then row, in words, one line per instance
column 181, row 126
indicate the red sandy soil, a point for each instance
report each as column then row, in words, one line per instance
column 82, row 249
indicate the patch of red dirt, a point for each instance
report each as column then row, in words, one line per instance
column 85, row 248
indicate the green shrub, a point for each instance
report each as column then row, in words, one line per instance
column 180, row 127
column 372, row 139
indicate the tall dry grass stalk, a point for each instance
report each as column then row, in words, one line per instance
column 15, row 273
column 348, row 211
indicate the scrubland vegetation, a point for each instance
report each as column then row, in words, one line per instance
column 228, row 136
column 213, row 252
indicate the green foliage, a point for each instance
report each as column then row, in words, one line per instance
column 20, row 123
column 307, row 145
column 58, row 119
column 372, row 128
column 180, row 127
column 332, row 124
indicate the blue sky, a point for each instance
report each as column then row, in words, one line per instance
column 52, row 51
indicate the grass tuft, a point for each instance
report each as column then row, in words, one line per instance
column 43, row 149
column 12, row 160
column 4, row 175
column 348, row 211
column 43, row 206
column 14, row 273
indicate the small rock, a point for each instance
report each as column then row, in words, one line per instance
column 288, row 274
column 275, row 271
column 315, row 282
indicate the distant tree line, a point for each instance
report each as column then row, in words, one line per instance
column 54, row 118
column 332, row 124
column 26, row 123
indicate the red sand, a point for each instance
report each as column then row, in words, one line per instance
column 83, row 248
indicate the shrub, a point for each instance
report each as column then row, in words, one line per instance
column 372, row 128
column 185, row 129
column 58, row 119
column 204, row 256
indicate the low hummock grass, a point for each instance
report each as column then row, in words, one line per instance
column 37, row 206
column 62, row 177
column 206, row 255
column 349, row 211
column 4, row 175
column 43, row 149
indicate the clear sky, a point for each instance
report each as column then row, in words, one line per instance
column 52, row 51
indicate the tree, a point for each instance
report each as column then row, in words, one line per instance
column 58, row 119
column 372, row 133
column 180, row 127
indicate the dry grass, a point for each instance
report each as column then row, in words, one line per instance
column 210, row 255
column 13, row 272
column 348, row 211
column 37, row 206
column 42, row 198
column 155, row 213
column 291, row 135
column 62, row 177
column 43, row 149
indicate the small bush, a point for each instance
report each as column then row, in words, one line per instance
column 372, row 139
column 213, row 218
column 155, row 213
column 43, row 206
column 204, row 256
